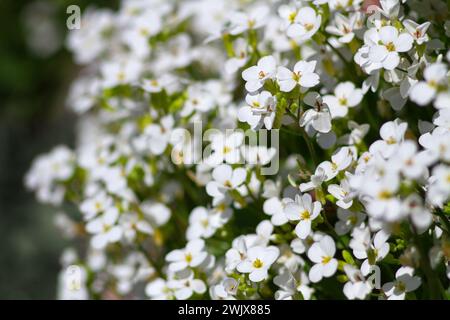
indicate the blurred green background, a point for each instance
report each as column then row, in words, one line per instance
column 35, row 74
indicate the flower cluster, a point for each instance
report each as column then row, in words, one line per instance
column 358, row 95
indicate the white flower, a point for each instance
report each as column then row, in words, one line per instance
column 225, row 178
column 420, row 215
column 348, row 220
column 411, row 163
column 357, row 287
column 344, row 27
column 319, row 117
column 164, row 82
column 257, row 155
column 342, row 193
column 288, row 13
column 437, row 142
column 143, row 27
column 345, row 96
column 184, row 285
column 322, row 254
column 120, row 72
column 274, row 207
column 225, row 290
column 306, row 24
column 255, row 76
column 199, row 100
column 191, row 256
column 225, row 148
column 439, row 189
column 404, row 282
column 424, row 92
column 104, row 229
column 237, row 253
column 202, row 223
column 385, row 46
column 382, row 200
column 158, row 289
column 260, row 108
column 340, row 161
column 303, row 75
column 418, row 32
column 371, row 251
column 96, row 204
column 157, row 213
column 304, row 211
column 157, row 136
column 356, row 135
column 256, row 18
column 263, row 234
column 132, row 224
column 316, row 180
column 240, row 58
column 392, row 133
column 292, row 283
column 258, row 261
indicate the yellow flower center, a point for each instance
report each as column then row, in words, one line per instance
column 296, row 76
column 309, row 26
column 226, row 150
column 305, row 215
column 257, row 264
column 390, row 47
column 326, row 259
column 385, row 194
column 391, row 140
column 432, row 83
column 400, row 286
column 334, row 166
column 343, row 101
column 188, row 257
column 121, row 76
column 144, row 32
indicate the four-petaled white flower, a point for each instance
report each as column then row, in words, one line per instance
column 345, row 96
column 404, row 282
column 322, row 254
column 260, row 109
column 418, row 32
column 302, row 75
column 385, row 46
column 191, row 256
column 306, row 23
column 304, row 210
column 319, row 117
column 105, row 229
column 258, row 261
column 423, row 92
column 225, row 178
column 256, row 76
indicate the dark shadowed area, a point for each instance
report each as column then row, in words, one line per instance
column 35, row 73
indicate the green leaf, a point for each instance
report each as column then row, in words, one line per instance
column 348, row 257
